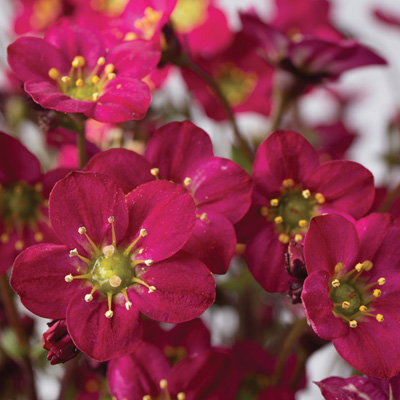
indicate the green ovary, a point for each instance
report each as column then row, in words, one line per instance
column 347, row 292
column 117, row 267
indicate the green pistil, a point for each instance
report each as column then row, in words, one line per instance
column 349, row 294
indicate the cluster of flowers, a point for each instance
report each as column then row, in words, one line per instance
column 109, row 234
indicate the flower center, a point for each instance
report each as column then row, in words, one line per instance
column 165, row 395
column 82, row 84
column 20, row 206
column 146, row 25
column 189, row 14
column 111, row 271
column 292, row 211
column 235, row 84
column 352, row 298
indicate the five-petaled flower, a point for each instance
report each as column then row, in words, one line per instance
column 120, row 256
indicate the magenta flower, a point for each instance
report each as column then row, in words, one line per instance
column 359, row 388
column 147, row 375
column 221, row 190
column 351, row 294
column 291, row 188
column 75, row 73
column 103, row 276
column 24, row 193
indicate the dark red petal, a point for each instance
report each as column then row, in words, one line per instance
column 32, row 58
column 96, row 335
column 283, row 155
column 330, row 239
column 38, row 277
column 167, row 212
column 119, row 164
column 87, row 199
column 184, row 286
column 17, row 163
column 176, row 148
column 139, row 374
column 265, row 257
column 123, row 99
column 213, row 242
column 318, row 307
column 221, row 186
column 353, row 195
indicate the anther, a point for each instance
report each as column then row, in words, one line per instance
column 101, row 61
column 154, row 172
column 147, row 397
column 303, row 223
column 379, row 317
column 284, row 238
column 128, row 305
column 108, row 251
column 143, row 232
column 19, row 245
column 108, row 69
column 381, row 281
column 274, row 202
column 363, row 309
column 376, row 293
column 4, row 238
column 353, row 324
column 88, row 298
column 187, row 181
column 367, row 265
column 336, row 283
column 82, row 230
column 109, row 313
column 278, row 220
column 73, row 253
column 38, row 236
column 181, row 396
column 203, row 216
column 54, row 73
column 149, row 262
column 95, row 80
column 69, row 278
column 115, row 281
column 130, row 36
column 359, row 267
column 287, row 183
column 319, row 198
column 38, row 187
column 111, row 76
column 111, row 220
column 79, row 83
column 163, row 384
column 306, row 193
column 264, row 211
column 339, row 267
column 298, row 237
column 95, row 96
column 346, row 304
column 65, row 79
column 78, row 61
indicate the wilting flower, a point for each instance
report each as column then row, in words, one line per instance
column 75, row 73
column 104, row 275
column 147, row 375
column 291, row 188
column 24, row 193
column 351, row 294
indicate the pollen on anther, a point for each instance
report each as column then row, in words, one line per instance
column 111, row 76
column 303, row 223
column 154, row 171
column 95, row 79
column 381, row 281
column 284, row 238
column 181, row 396
column 319, row 198
column 368, row 265
column 95, row 96
column 203, row 216
column 147, row 397
column 264, row 211
column 336, row 283
column 4, row 238
column 359, row 267
column 69, row 278
column 73, row 253
column 152, row 289
column 274, row 202
column 379, row 317
column 346, row 304
column 65, row 79
column 363, row 309
column 128, row 305
column 79, row 83
column 109, row 314
column 38, row 236
column 101, row 61
column 353, row 324
column 82, row 230
column 278, row 220
column 109, row 68
column 143, row 232
column 306, row 193
column 111, row 220
column 53, row 73
column 287, row 183
column 19, row 245
column 297, row 237
column 376, row 293
column 339, row 267
column 163, row 384
column 187, row 181
column 149, row 262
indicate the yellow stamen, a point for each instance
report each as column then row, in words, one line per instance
column 319, row 198
column 367, row 265
column 111, row 76
column 181, row 396
column 284, row 238
column 95, row 80
column 203, row 217
column 65, row 79
column 109, row 313
column 19, row 245
column 346, row 304
column 376, row 293
column 363, row 309
column 38, row 236
column 353, row 324
column 274, row 202
column 101, row 61
column 278, row 220
column 359, row 267
column 130, row 36
column 287, row 183
column 79, row 83
column 78, row 61
column 89, row 296
column 151, row 288
column 154, row 172
column 108, row 69
column 74, row 253
column 381, row 281
column 264, row 211
column 54, row 73
column 163, row 384
column 4, row 238
column 128, row 304
column 142, row 233
column 303, row 223
column 187, row 181
column 339, row 267
column 95, row 96
column 114, row 238
column 379, row 317
column 82, row 231
column 298, row 237
column 306, row 193
column 336, row 283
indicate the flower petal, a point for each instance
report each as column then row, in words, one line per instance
column 167, row 212
column 283, row 155
column 38, row 277
column 318, row 307
column 330, row 239
column 213, row 242
column 96, row 335
column 87, row 199
column 353, row 195
column 184, row 286
column 119, row 164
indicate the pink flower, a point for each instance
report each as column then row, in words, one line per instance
column 290, row 188
column 75, row 73
column 351, row 294
column 103, row 276
column 24, row 193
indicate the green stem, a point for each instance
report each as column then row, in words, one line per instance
column 14, row 320
column 297, row 329
column 243, row 144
